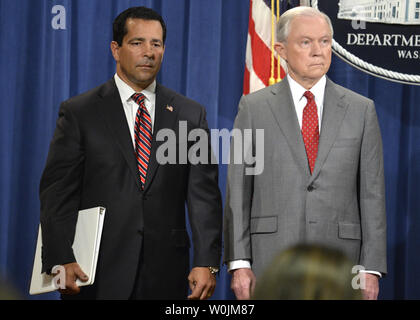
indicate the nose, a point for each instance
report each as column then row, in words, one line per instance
column 316, row 48
column 148, row 51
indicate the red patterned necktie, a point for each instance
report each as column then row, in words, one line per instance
column 310, row 129
column 142, row 136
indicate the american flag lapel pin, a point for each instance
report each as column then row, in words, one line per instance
column 170, row 108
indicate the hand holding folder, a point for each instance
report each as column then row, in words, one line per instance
column 72, row 275
column 86, row 244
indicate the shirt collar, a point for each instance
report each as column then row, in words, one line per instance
column 126, row 91
column 318, row 90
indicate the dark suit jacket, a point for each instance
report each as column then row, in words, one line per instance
column 91, row 163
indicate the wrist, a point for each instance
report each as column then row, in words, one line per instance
column 213, row 270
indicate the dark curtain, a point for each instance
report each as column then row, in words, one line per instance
column 204, row 59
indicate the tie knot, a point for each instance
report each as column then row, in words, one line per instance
column 309, row 95
column 138, row 98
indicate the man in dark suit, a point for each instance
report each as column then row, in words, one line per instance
column 103, row 153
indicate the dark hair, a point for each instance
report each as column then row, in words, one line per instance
column 120, row 28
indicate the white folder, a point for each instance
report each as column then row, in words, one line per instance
column 86, row 244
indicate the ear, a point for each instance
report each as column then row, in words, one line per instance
column 163, row 53
column 115, row 50
column 281, row 50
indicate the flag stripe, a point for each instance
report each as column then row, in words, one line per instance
column 246, row 81
column 261, row 16
column 260, row 53
column 258, row 49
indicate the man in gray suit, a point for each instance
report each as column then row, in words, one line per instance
column 323, row 178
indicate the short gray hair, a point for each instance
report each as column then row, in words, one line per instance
column 283, row 26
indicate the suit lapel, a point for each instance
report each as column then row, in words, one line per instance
column 165, row 117
column 333, row 115
column 282, row 107
column 117, row 122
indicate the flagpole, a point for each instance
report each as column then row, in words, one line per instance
column 272, row 80
column 278, row 57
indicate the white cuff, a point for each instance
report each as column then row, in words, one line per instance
column 237, row 264
column 372, row 272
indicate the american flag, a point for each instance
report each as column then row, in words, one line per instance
column 259, row 64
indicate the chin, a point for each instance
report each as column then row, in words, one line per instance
column 144, row 79
column 316, row 74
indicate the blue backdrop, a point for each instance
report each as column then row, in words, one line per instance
column 42, row 65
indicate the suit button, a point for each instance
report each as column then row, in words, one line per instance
column 311, row 188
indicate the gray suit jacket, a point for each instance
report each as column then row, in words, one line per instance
column 342, row 204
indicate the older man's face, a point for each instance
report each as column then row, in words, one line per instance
column 307, row 49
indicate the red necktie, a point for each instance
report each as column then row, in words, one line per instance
column 310, row 129
column 143, row 137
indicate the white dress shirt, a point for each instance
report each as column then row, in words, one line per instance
column 131, row 107
column 299, row 101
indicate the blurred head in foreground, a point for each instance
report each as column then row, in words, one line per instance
column 308, row 272
column 8, row 292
